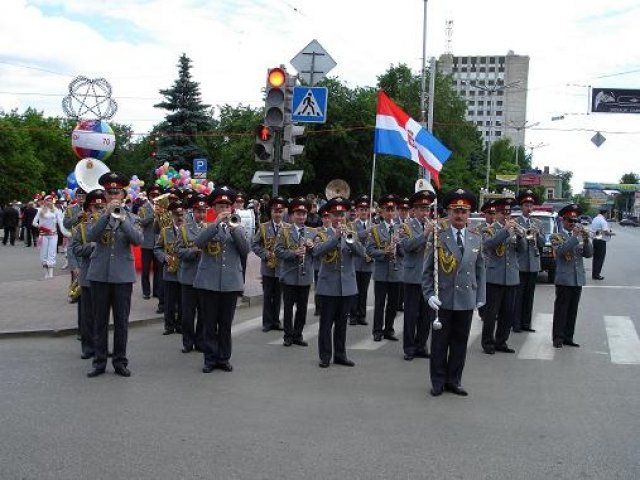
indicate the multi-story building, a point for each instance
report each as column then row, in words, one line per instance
column 495, row 89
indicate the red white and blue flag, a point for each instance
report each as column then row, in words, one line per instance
column 400, row 135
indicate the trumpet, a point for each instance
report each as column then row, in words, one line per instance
column 350, row 237
column 118, row 213
column 233, row 220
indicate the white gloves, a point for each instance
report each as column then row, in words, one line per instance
column 434, row 302
column 479, row 304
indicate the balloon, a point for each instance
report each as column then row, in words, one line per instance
column 71, row 180
column 93, row 138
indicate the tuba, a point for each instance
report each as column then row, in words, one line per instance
column 88, row 171
column 161, row 206
column 337, row 188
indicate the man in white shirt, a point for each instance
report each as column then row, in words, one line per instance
column 599, row 224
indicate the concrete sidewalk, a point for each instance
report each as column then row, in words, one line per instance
column 32, row 306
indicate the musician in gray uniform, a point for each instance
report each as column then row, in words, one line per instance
column 571, row 245
column 528, row 262
column 364, row 266
column 383, row 247
column 82, row 249
column 146, row 219
column 417, row 315
column 73, row 215
column 293, row 249
column 404, row 216
column 337, row 248
column 501, row 246
column 219, row 279
column 460, row 289
column 112, row 274
column 189, row 255
column 317, row 261
column 165, row 253
column 263, row 245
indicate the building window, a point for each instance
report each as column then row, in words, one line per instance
column 463, row 69
column 486, row 133
column 455, row 69
column 501, row 60
column 480, row 82
column 482, row 69
column 492, row 69
column 481, row 102
column 492, row 60
column 499, row 103
column 550, row 193
column 499, row 113
column 488, row 123
column 500, row 92
column 473, row 69
column 480, row 112
column 470, row 113
column 472, row 93
column 473, row 60
column 498, row 133
column 501, row 69
column 498, row 123
column 471, row 103
column 479, row 123
column 464, row 60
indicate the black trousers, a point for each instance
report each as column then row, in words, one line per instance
column 499, row 309
column 190, row 337
column 147, row 260
column 359, row 306
column 565, row 311
column 217, row 310
column 10, row 235
column 172, row 305
column 86, row 321
column 599, row 252
column 31, row 236
column 333, row 315
column 417, row 320
column 449, row 347
column 524, row 300
column 114, row 297
column 271, row 303
column 385, row 292
column 298, row 296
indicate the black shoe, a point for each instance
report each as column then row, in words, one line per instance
column 489, row 350
column 456, row 389
column 323, row 364
column 598, row 277
column 85, row 356
column 408, row 357
column 316, row 313
column 95, row 372
column 516, row 330
column 287, row 342
column 208, row 368
column 401, row 308
column 377, row 337
column 504, row 349
column 422, row 354
column 344, row 361
column 278, row 327
column 123, row 371
column 266, row 329
column 146, row 297
column 187, row 349
column 436, row 392
column 571, row 343
column 391, row 336
column 557, row 344
column 167, row 331
column 225, row 367
column 159, row 310
column 300, row 343
column 362, row 322
column 528, row 329
column 78, row 338
column 353, row 322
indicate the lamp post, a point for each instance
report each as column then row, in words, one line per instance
column 519, row 128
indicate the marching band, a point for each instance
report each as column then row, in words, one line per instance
column 445, row 269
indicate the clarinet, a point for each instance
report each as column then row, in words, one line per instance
column 301, row 264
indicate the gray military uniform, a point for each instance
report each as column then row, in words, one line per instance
column 529, row 264
column 291, row 272
column 69, row 221
column 82, row 251
column 529, row 253
column 166, row 241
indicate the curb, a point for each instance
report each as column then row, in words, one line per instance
column 246, row 302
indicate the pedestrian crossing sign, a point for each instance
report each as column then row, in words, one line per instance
column 309, row 104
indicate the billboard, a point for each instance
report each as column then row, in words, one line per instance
column 615, row 100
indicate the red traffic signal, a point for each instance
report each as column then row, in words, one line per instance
column 263, row 133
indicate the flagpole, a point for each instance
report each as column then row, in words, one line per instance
column 373, row 176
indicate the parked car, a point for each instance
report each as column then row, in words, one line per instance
column 629, row 222
column 585, row 219
column 549, row 226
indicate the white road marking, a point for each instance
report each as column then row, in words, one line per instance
column 624, row 345
column 538, row 345
column 369, row 344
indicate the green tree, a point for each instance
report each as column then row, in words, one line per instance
column 566, row 176
column 624, row 201
column 187, row 118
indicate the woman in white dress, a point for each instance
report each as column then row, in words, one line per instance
column 46, row 221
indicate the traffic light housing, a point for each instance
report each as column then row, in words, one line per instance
column 290, row 149
column 263, row 149
column 275, row 99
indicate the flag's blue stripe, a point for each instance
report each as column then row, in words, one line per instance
column 390, row 142
column 432, row 144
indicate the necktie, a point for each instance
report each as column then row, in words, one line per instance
column 459, row 242
column 275, row 230
column 391, row 230
column 301, row 233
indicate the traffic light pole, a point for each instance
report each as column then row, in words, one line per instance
column 277, row 159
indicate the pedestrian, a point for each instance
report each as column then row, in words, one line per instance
column 571, row 245
column 602, row 234
column 31, row 233
column 11, row 217
column 48, row 220
column 112, row 274
column 460, row 284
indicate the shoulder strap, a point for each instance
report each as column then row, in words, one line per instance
column 407, row 230
column 183, row 232
column 83, row 233
column 375, row 231
column 263, row 233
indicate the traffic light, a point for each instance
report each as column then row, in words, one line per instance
column 274, row 109
column 290, row 149
column 263, row 148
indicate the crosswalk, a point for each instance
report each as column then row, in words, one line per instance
column 622, row 338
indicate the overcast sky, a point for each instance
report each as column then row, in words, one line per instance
column 135, row 44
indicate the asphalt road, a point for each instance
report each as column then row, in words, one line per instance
column 541, row 413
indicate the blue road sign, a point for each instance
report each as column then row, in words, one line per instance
column 309, row 104
column 200, row 168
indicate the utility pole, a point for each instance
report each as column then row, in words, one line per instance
column 519, row 128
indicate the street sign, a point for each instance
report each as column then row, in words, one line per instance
column 199, row 168
column 289, row 177
column 615, row 100
column 313, row 63
column 598, row 139
column 309, row 104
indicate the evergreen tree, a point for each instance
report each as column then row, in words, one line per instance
column 187, row 118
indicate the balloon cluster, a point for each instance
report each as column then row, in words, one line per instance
column 135, row 185
column 168, row 177
column 66, row 194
